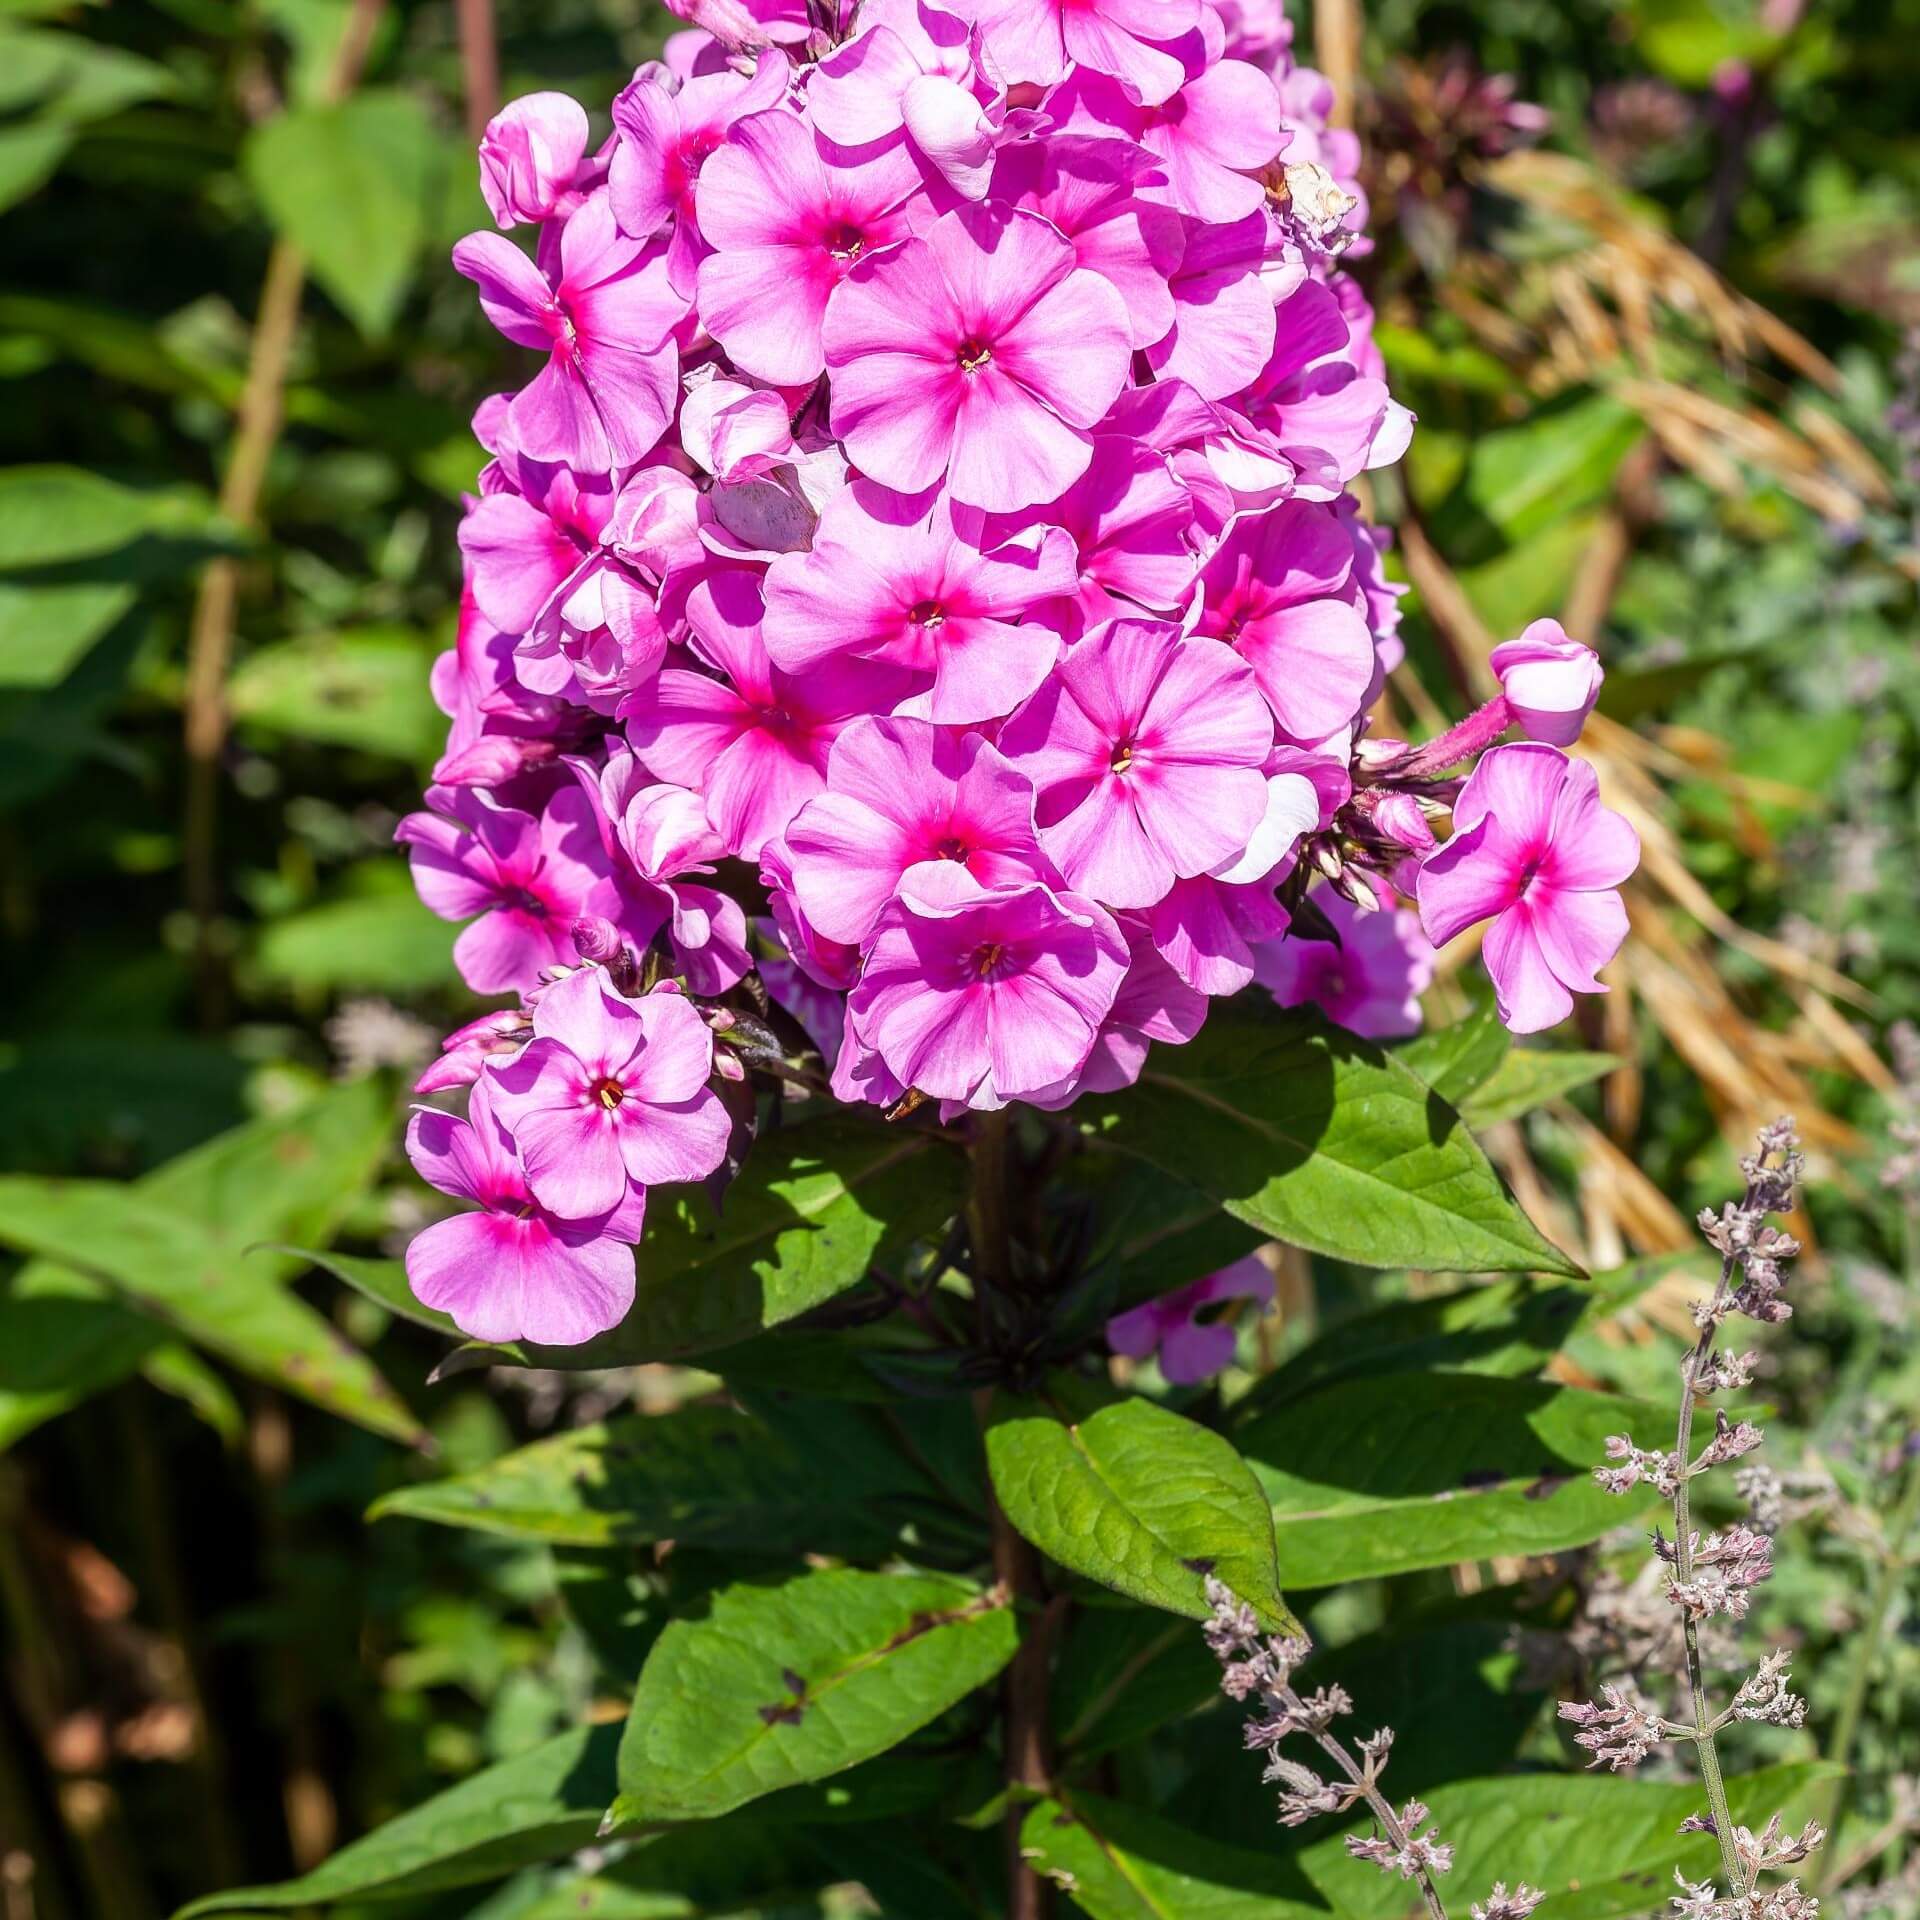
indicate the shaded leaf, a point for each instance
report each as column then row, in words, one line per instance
column 1387, row 1473
column 1315, row 1136
column 384, row 1282
column 1141, row 1500
column 815, row 1206
column 53, row 514
column 779, row 1685
column 387, row 943
column 1458, row 1059
column 702, row 1476
column 540, row 1805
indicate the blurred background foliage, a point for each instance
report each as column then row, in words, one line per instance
column 1666, row 357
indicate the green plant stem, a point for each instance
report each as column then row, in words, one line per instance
column 1704, row 1740
column 1026, row 1760
column 1886, row 1586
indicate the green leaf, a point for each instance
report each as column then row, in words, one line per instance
column 1601, row 1847
column 50, row 515
column 1523, row 479
column 29, row 157
column 1454, row 1061
column 1122, row 1672
column 1386, row 1473
column 1529, row 1077
column 1148, row 1236
column 44, row 629
column 69, row 79
column 175, row 1244
column 779, row 1685
column 814, row 1207
column 387, row 943
column 700, row 1476
column 1316, row 1136
column 1507, row 1327
column 1142, row 1501
column 364, row 688
column 540, row 1805
column 350, row 185
column 1121, row 1864
column 384, row 1282
column 63, row 1339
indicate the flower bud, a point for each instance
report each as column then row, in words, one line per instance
column 529, row 155
column 1550, row 682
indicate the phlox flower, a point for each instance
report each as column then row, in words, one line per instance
column 608, row 1092
column 1190, row 1349
column 788, row 222
column 1041, row 40
column 655, row 836
column 753, row 742
column 1535, row 852
column 529, row 157
column 906, row 580
column 499, row 727
column 1145, row 752
column 523, row 542
column 666, row 136
column 1211, row 137
column 1370, row 983
column 1277, row 590
column 910, row 70
column 1317, row 421
column 605, row 323
column 526, row 877
column 1223, row 327
column 513, row 1270
column 1130, row 519
column 984, row 995
column 1085, row 187
column 980, row 353
column 1154, row 1005
column 901, row 793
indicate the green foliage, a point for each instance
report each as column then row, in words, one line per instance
column 732, row 1570
column 1317, row 1137
column 787, row 1683
column 1140, row 1500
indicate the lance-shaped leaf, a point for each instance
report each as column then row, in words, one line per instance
column 1121, row 1864
column 1387, row 1473
column 1456, row 1059
column 781, row 1684
column 93, row 1310
column 832, row 1482
column 384, row 1282
column 1601, row 1847
column 540, row 1805
column 1529, row 1077
column 815, row 1206
column 1316, row 1136
column 1141, row 1500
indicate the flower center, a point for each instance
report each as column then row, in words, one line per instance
column 987, row 960
column 608, row 1092
column 973, row 355
column 1122, row 757
column 928, row 614
column 951, row 848
column 523, row 900
column 845, row 241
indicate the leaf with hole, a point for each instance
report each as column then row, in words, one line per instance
column 782, row 1684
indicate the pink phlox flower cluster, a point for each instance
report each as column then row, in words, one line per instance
column 920, row 562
